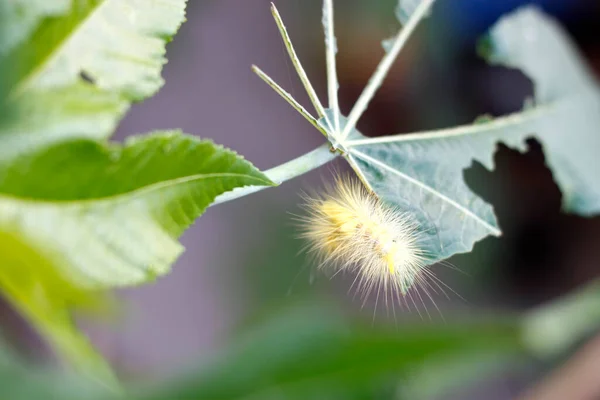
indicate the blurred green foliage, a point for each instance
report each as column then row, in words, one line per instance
column 309, row 352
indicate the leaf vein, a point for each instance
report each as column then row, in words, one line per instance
column 493, row 230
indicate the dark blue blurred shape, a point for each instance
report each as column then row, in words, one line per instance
column 473, row 17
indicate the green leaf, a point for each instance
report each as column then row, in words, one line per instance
column 310, row 353
column 76, row 111
column 81, row 67
column 20, row 17
column 111, row 212
column 538, row 46
column 423, row 172
column 84, row 215
column 21, row 380
column 36, row 287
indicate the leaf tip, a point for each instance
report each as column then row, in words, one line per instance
column 274, row 10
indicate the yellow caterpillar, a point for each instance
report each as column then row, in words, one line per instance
column 349, row 229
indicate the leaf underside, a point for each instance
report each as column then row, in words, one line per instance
column 423, row 173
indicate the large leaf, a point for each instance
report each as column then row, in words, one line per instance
column 310, row 354
column 77, row 71
column 85, row 215
column 112, row 213
column 424, row 172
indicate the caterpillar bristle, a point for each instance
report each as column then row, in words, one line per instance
column 348, row 229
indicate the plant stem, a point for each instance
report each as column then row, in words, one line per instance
column 286, row 171
column 384, row 66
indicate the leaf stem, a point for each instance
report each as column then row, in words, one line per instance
column 384, row 66
column 286, row 171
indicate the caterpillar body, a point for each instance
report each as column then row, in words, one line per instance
column 349, row 229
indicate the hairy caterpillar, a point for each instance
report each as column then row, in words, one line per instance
column 349, row 229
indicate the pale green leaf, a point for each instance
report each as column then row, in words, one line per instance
column 34, row 284
column 83, row 215
column 538, row 46
column 423, row 172
column 80, row 110
column 94, row 58
column 20, row 17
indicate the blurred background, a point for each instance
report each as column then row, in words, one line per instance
column 243, row 260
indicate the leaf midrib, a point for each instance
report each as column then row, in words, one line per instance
column 493, row 230
column 139, row 192
column 462, row 130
